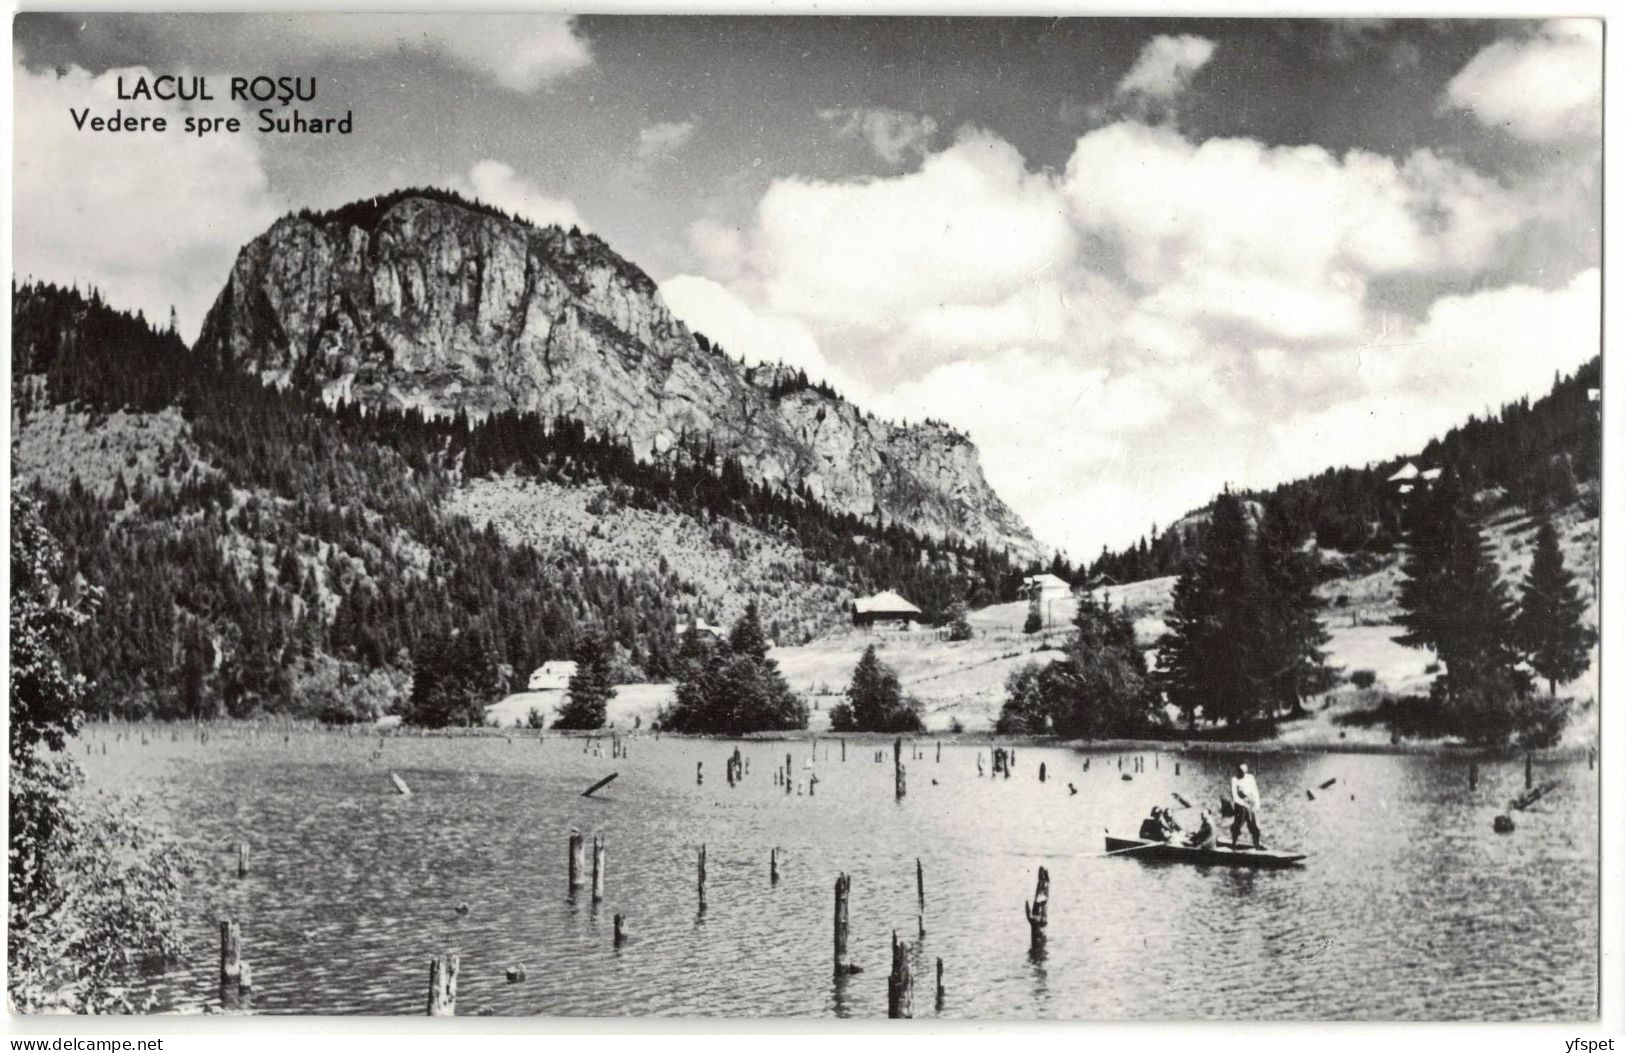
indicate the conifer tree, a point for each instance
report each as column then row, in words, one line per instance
column 1213, row 655
column 1295, row 640
column 590, row 687
column 876, row 697
column 1550, row 618
column 959, row 621
column 1451, row 597
column 747, row 637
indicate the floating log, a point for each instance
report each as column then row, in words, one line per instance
column 1311, row 794
column 600, row 784
column 235, row 978
column 443, row 985
column 1181, row 799
column 702, row 879
column 1524, row 800
column 1328, row 784
column 1038, row 910
column 400, row 785
column 598, row 862
column 620, row 929
column 900, row 985
column 575, row 860
column 242, row 859
column 843, row 892
column 1127, row 777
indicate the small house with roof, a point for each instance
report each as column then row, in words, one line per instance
column 1042, row 588
column 885, row 610
column 551, row 676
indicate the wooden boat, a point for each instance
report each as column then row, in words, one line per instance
column 1223, row 854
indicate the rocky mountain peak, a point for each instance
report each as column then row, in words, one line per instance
column 423, row 299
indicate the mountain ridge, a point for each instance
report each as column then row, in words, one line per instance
column 423, row 299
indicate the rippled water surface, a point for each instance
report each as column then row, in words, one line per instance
column 1409, row 907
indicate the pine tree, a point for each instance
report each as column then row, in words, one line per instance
column 1451, row 597
column 959, row 621
column 1295, row 639
column 590, row 688
column 747, row 637
column 1550, row 619
column 1213, row 655
column 876, row 697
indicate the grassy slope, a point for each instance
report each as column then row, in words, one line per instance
column 725, row 568
column 965, row 680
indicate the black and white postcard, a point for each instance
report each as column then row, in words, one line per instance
column 829, row 518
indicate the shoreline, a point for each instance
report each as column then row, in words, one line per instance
column 1189, row 746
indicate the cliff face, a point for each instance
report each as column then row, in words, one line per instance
column 431, row 303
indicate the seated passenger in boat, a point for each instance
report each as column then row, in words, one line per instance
column 1204, row 836
column 1170, row 826
column 1152, row 828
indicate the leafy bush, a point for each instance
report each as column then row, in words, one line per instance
column 1363, row 678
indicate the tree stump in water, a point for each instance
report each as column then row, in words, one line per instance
column 1472, row 776
column 443, row 985
column 901, row 776
column 576, row 858
column 942, row 992
column 235, row 981
column 1528, row 771
column 620, row 929
column 702, row 879
column 843, row 892
column 773, row 866
column 699, row 773
column 1040, row 771
column 597, row 868
column 1038, row 911
column 242, row 859
column 900, row 985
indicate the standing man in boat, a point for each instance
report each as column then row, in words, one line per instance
column 1244, row 799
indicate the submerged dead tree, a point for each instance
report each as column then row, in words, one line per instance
column 900, row 985
column 1038, row 911
column 843, row 892
column 902, row 774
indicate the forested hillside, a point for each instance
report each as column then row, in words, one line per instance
column 1533, row 455
column 267, row 553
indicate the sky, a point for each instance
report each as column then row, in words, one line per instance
column 1135, row 259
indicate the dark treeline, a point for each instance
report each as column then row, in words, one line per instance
column 284, row 532
column 1536, row 454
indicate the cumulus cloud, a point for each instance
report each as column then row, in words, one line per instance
column 893, row 135
column 1166, row 66
column 664, row 139
column 1278, row 242
column 1163, row 316
column 1542, row 87
column 970, row 227
column 498, row 184
column 152, row 219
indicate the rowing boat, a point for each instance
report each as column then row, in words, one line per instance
column 1223, row 854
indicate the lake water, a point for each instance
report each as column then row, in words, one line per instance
column 1410, row 907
